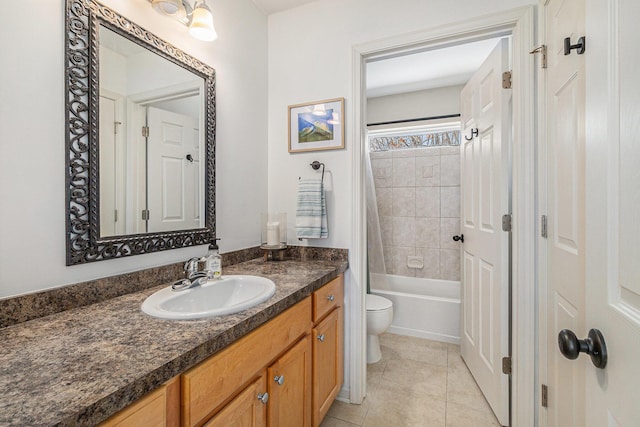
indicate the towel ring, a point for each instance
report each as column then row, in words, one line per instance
column 316, row 165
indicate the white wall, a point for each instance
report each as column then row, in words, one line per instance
column 32, row 137
column 412, row 105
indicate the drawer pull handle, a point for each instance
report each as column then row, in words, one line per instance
column 320, row 338
column 279, row 379
column 331, row 298
column 263, row 397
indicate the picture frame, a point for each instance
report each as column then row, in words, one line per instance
column 316, row 126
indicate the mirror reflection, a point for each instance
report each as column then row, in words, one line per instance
column 151, row 141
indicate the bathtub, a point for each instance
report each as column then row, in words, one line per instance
column 424, row 308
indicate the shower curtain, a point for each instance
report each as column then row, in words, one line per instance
column 376, row 272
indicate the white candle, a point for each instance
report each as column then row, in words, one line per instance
column 273, row 233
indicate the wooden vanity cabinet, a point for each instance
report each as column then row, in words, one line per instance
column 328, row 347
column 211, row 385
column 285, row 373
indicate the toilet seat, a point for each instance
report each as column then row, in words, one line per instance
column 376, row 303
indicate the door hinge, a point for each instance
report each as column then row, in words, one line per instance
column 115, row 127
column 506, row 222
column 544, row 398
column 506, row 365
column 145, row 131
column 542, row 50
column 115, row 215
column 145, row 214
column 506, row 80
column 543, row 226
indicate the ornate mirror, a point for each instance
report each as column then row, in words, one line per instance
column 140, row 140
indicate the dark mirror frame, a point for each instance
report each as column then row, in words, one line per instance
column 84, row 244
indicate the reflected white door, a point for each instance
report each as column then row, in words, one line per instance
column 565, row 209
column 173, row 171
column 485, row 254
column 612, row 209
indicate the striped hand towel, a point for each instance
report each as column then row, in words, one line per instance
column 311, row 210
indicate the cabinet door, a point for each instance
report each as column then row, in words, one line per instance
column 248, row 409
column 327, row 363
column 159, row 408
column 289, row 385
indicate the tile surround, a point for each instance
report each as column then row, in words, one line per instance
column 418, row 198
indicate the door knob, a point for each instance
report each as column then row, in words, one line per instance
column 459, row 238
column 320, row 338
column 331, row 298
column 279, row 379
column 263, row 397
column 593, row 345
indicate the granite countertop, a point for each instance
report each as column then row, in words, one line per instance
column 80, row 366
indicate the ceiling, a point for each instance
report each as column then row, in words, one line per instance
column 432, row 69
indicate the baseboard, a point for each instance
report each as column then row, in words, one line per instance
column 423, row 334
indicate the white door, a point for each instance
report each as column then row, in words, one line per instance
column 565, row 209
column 485, row 254
column 173, row 171
column 613, row 207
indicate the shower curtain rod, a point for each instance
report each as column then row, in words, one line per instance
column 420, row 119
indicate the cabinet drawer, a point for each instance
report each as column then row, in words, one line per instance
column 210, row 384
column 327, row 298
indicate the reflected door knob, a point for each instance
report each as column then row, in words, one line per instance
column 593, row 345
column 459, row 238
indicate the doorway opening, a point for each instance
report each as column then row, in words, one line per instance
column 426, row 202
column 518, row 25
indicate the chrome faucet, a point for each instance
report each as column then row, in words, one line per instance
column 193, row 276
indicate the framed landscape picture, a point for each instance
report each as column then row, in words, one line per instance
column 316, row 126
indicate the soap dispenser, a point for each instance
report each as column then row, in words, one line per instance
column 213, row 262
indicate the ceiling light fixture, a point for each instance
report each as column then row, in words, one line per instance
column 198, row 18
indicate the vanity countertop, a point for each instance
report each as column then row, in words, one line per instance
column 80, row 366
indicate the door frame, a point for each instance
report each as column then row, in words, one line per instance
column 520, row 24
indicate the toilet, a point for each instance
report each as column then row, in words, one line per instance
column 379, row 317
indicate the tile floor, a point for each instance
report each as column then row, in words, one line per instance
column 419, row 383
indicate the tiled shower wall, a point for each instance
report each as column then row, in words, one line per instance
column 418, row 194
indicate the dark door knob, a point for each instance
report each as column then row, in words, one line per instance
column 593, row 345
column 459, row 238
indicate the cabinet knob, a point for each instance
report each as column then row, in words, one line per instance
column 263, row 397
column 331, row 297
column 279, row 379
column 320, row 338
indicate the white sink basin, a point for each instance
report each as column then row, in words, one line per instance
column 216, row 297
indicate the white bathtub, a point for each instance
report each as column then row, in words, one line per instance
column 424, row 308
